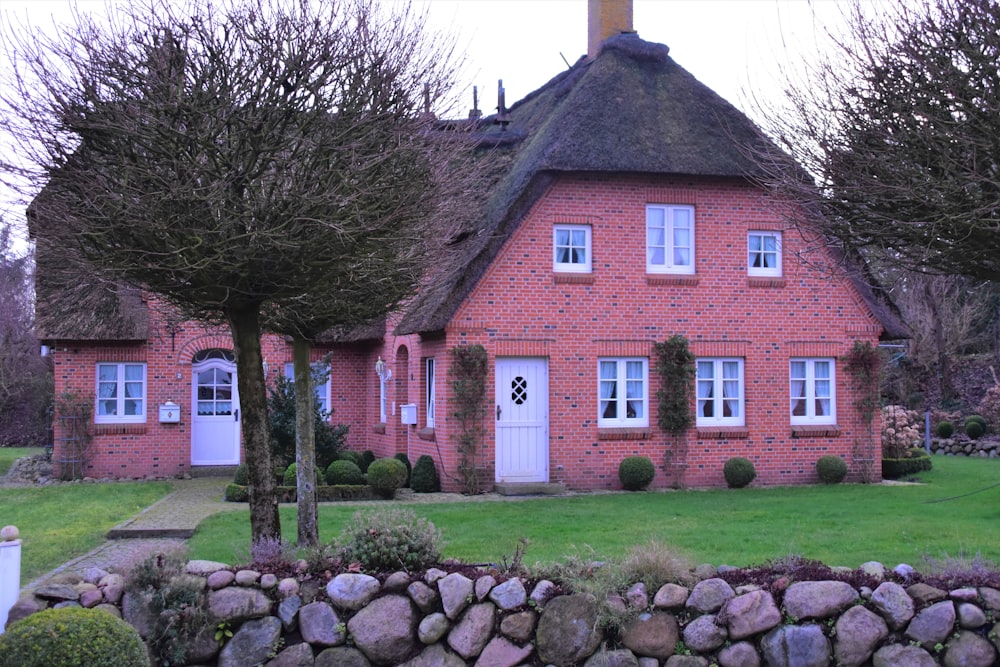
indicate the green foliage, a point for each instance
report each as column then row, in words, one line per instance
column 386, row 475
column 945, row 429
column 72, row 637
column 676, row 368
column 389, row 540
column 288, row 478
column 242, row 475
column 864, row 364
column 367, row 458
column 409, row 468
column 237, row 493
column 425, row 477
column 975, row 426
column 738, row 472
column 636, row 472
column 916, row 462
column 344, row 472
column 330, row 438
column 353, row 457
column 468, row 372
column 831, row 469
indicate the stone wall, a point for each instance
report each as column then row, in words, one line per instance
column 445, row 619
column 986, row 448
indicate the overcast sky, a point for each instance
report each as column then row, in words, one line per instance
column 736, row 47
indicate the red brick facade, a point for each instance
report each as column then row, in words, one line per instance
column 522, row 308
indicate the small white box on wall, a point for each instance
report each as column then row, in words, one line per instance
column 170, row 413
column 408, row 413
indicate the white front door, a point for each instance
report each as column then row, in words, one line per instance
column 215, row 414
column 522, row 420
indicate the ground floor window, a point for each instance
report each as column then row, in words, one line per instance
column 623, row 392
column 811, row 384
column 121, row 393
column 720, row 392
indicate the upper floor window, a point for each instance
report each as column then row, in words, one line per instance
column 320, row 382
column 811, row 384
column 669, row 239
column 571, row 248
column 764, row 253
column 720, row 392
column 121, row 393
column 429, row 390
column 622, row 392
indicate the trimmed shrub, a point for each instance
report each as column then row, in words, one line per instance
column 897, row 468
column 386, row 475
column 237, row 493
column 738, row 472
column 288, row 477
column 636, row 472
column 975, row 426
column 344, row 472
column 425, row 477
column 72, row 637
column 831, row 469
column 242, row 475
column 353, row 457
column 367, row 458
column 945, row 429
column 409, row 468
column 390, row 540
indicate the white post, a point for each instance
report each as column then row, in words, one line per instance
column 10, row 571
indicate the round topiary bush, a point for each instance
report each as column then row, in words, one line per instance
column 636, row 472
column 945, row 429
column 424, row 478
column 831, row 469
column 353, row 457
column 288, row 478
column 344, row 472
column 738, row 472
column 72, row 637
column 241, row 476
column 974, row 429
column 386, row 475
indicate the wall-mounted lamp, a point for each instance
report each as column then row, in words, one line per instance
column 382, row 371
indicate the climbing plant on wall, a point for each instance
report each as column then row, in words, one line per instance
column 863, row 364
column 468, row 371
column 675, row 366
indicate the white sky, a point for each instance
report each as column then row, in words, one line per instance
column 736, row 47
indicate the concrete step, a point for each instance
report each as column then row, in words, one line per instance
column 529, row 488
column 212, row 471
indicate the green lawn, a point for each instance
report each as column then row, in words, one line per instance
column 10, row 454
column 60, row 522
column 839, row 525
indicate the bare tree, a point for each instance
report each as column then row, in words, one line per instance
column 237, row 158
column 891, row 143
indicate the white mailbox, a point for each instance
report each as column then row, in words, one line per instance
column 408, row 413
column 170, row 413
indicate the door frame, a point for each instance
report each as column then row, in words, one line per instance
column 540, row 473
column 230, row 367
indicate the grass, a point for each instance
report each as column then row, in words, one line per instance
column 61, row 522
column 839, row 525
column 10, row 454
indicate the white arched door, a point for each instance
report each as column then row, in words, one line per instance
column 215, row 413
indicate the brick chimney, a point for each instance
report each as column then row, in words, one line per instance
column 606, row 18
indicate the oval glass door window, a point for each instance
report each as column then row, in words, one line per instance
column 520, row 390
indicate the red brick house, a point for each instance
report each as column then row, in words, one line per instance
column 622, row 209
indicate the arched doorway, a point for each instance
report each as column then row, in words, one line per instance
column 215, row 409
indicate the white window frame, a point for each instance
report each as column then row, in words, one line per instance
column 672, row 227
column 381, row 399
column 322, row 391
column 572, row 267
column 809, row 386
column 429, row 391
column 711, row 388
column 762, row 252
column 119, row 397
column 615, row 389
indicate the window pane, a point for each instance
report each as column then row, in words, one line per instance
column 107, row 407
column 206, row 408
column 562, row 237
column 107, row 390
column 754, row 242
column 562, row 255
column 133, row 408
column 682, row 257
column 798, row 369
column 224, row 408
column 770, row 243
column 133, row 390
column 822, row 369
column 133, row 372
column 107, row 372
column 579, row 238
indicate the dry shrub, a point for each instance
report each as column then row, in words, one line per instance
column 900, row 431
column 989, row 407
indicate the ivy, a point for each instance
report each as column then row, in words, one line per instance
column 864, row 363
column 468, row 371
column 675, row 366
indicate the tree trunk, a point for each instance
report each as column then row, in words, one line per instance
column 305, row 444
column 264, row 521
column 940, row 344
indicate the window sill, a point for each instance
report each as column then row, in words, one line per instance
column 623, row 433
column 426, row 434
column 765, row 281
column 677, row 280
column 723, row 432
column 573, row 278
column 379, row 428
column 119, row 429
column 815, row 431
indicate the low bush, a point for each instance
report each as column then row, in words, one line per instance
column 831, row 469
column 385, row 476
column 72, row 637
column 237, row 493
column 390, row 540
column 738, row 472
column 900, row 431
column 916, row 461
column 945, row 429
column 975, row 426
column 367, row 458
column 409, row 468
column 344, row 472
column 353, row 457
column 425, row 477
column 288, row 478
column 242, row 475
column 636, row 472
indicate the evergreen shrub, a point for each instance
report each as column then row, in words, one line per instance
column 425, row 477
column 409, row 468
column 390, row 540
column 945, row 429
column 386, row 475
column 242, row 475
column 344, row 472
column 831, row 469
column 72, row 637
column 288, row 478
column 636, row 472
column 738, row 472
